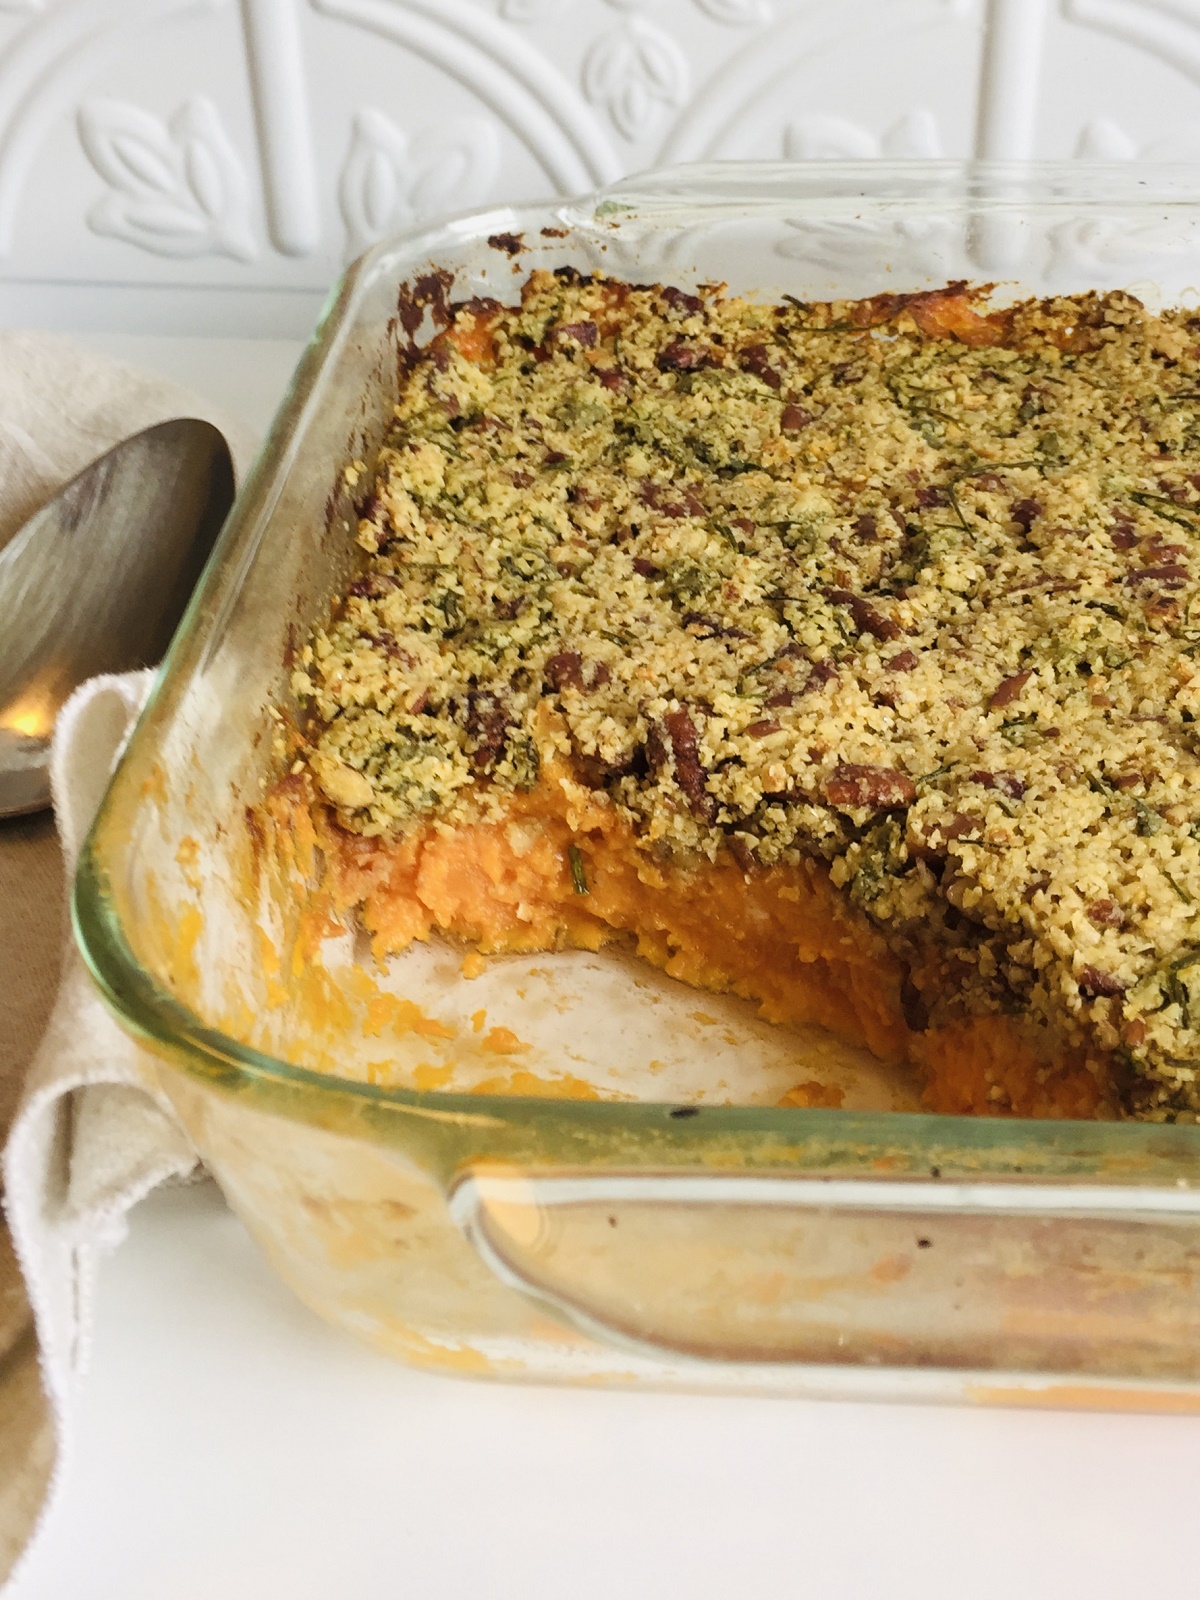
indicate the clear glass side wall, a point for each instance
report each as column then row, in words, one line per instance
column 172, row 833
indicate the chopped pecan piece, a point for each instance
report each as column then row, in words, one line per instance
column 866, row 618
column 1096, row 984
column 931, row 496
column 1106, row 914
column 793, row 418
column 1173, row 491
column 584, row 333
column 688, row 770
column 681, row 357
column 387, row 642
column 860, row 788
column 740, row 850
column 760, row 730
column 1123, row 536
column 373, row 586
column 690, row 304
column 565, row 670
column 702, row 626
column 1009, row 690
column 958, row 826
column 821, row 673
column 903, row 661
column 428, row 292
column 487, row 728
column 1025, row 512
column 756, row 360
column 1007, row 783
column 671, row 500
column 1173, row 575
column 1162, row 608
column 1157, row 552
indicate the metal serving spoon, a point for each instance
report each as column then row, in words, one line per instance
column 97, row 580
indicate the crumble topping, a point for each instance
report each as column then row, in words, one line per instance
column 906, row 583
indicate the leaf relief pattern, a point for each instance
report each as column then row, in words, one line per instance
column 1102, row 139
column 176, row 188
column 738, row 13
column 638, row 74
column 389, row 180
column 528, row 10
column 817, row 137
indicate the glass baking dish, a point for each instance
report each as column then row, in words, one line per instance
column 656, row 1238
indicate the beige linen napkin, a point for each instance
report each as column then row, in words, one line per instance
column 86, row 1140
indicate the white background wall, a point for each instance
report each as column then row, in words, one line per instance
column 255, row 145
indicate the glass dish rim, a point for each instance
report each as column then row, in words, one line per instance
column 148, row 1010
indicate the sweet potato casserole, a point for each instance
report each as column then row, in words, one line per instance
column 841, row 655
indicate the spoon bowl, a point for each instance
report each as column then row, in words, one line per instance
column 97, row 580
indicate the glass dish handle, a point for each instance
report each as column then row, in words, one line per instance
column 984, row 1275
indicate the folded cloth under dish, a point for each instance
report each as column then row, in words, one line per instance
column 90, row 1136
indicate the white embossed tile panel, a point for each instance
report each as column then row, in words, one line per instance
column 228, row 156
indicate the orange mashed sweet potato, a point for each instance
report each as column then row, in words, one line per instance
column 561, row 869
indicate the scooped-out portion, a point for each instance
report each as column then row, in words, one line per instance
column 840, row 657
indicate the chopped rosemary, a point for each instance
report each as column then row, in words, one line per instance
column 1175, row 990
column 962, row 521
column 984, row 467
column 578, row 874
column 1178, row 888
column 1169, row 510
column 932, row 777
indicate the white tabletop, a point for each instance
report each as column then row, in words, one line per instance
column 229, row 1446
